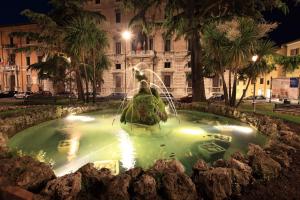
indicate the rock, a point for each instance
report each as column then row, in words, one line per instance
column 290, row 138
column 280, row 153
column 215, row 184
column 94, row 182
column 166, row 166
column 241, row 175
column 64, row 188
column 3, row 140
column 239, row 156
column 220, row 163
column 145, row 188
column 135, row 172
column 118, row 188
column 262, row 164
column 200, row 165
column 15, row 193
column 178, row 186
column 26, row 172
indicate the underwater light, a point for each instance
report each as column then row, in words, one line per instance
column 240, row 129
column 127, row 150
column 190, row 131
column 80, row 118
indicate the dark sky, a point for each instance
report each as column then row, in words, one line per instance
column 288, row 30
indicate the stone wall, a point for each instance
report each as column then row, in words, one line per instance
column 166, row 178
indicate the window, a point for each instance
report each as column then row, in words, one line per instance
column 118, row 66
column 253, row 81
column 189, row 64
column 261, row 81
column 97, row 1
column 268, row 82
column 189, row 46
column 28, row 79
column 11, row 40
column 27, row 40
column 118, row 82
column 40, row 59
column 167, row 65
column 294, row 52
column 151, row 44
column 27, row 61
column 167, row 81
column 118, row 48
column 215, row 81
column 167, row 45
column 12, row 59
column 118, row 16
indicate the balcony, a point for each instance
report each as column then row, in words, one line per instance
column 10, row 67
column 9, row 46
column 141, row 54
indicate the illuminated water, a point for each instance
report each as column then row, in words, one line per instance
column 75, row 141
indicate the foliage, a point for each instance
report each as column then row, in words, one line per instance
column 289, row 63
column 145, row 108
column 186, row 18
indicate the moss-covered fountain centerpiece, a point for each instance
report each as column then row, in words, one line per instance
column 146, row 109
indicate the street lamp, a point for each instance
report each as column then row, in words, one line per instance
column 126, row 35
column 254, row 59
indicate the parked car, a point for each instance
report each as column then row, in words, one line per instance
column 186, row 99
column 166, row 97
column 216, row 97
column 41, row 94
column 8, row 94
column 114, row 96
column 66, row 95
column 258, row 98
column 22, row 95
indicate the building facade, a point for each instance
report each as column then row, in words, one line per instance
column 14, row 72
column 263, row 83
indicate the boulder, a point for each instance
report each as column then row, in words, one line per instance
column 178, row 186
column 3, row 140
column 215, row 184
column 64, row 188
column 166, row 166
column 241, row 175
column 94, row 182
column 239, row 156
column 290, row 138
column 200, row 165
column 220, row 163
column 118, row 188
column 135, row 172
column 262, row 164
column 145, row 188
column 26, row 172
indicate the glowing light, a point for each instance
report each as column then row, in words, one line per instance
column 126, row 35
column 254, row 58
column 241, row 129
column 190, row 131
column 80, row 118
column 127, row 150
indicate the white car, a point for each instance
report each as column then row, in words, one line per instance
column 22, row 95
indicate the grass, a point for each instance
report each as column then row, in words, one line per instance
column 267, row 109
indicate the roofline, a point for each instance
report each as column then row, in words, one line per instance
column 291, row 42
column 19, row 24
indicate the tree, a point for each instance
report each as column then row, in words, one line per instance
column 50, row 38
column 230, row 45
column 187, row 18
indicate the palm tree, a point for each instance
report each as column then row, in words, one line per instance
column 187, row 18
column 50, row 38
column 82, row 38
column 230, row 45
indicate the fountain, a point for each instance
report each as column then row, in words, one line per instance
column 145, row 133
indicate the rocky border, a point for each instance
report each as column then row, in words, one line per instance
column 30, row 179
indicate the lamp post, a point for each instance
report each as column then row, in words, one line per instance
column 126, row 35
column 254, row 59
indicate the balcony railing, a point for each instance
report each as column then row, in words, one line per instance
column 141, row 53
column 10, row 67
column 9, row 46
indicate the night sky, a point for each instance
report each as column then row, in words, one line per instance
column 288, row 30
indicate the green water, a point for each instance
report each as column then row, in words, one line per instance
column 92, row 137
